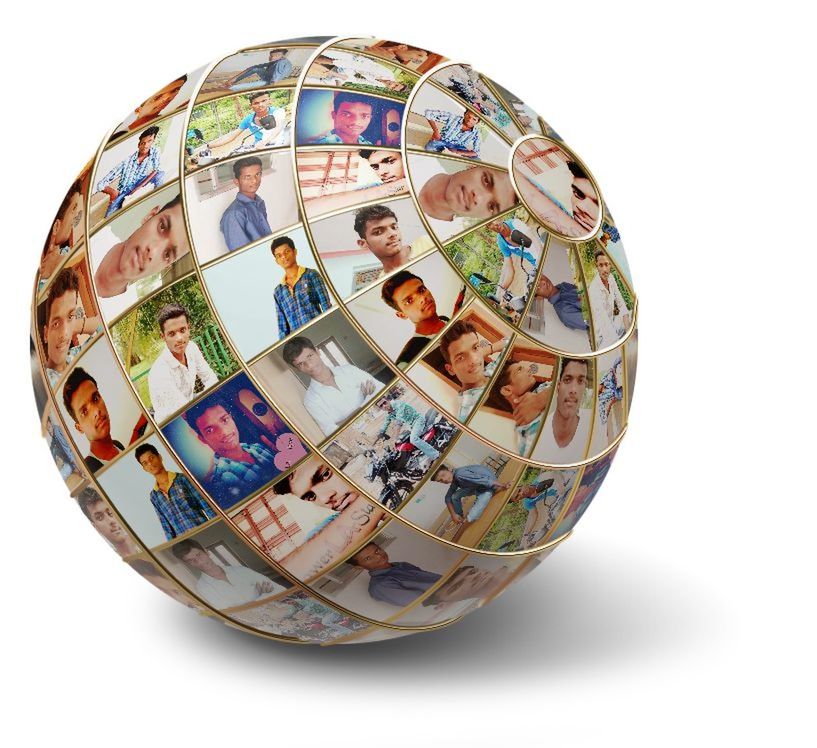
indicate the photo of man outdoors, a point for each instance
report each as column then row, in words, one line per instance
column 138, row 170
column 277, row 68
column 610, row 316
column 265, row 123
column 180, row 371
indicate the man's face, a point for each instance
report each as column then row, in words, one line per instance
column 585, row 202
column 260, row 105
column 198, row 559
column 469, row 120
column 70, row 219
column 218, row 430
column 59, row 329
column 90, row 412
column 316, row 481
column 545, row 287
column 570, row 389
column 467, row 362
column 351, row 118
column 151, row 463
column 155, row 245
column 410, row 54
column 603, row 266
column 382, row 237
column 276, row 54
column 249, row 180
column 371, row 556
column 286, row 256
column 470, row 583
column 309, row 361
column 479, row 193
column 387, row 165
column 154, row 105
column 176, row 334
column 145, row 144
column 520, row 380
column 414, row 301
column 106, row 523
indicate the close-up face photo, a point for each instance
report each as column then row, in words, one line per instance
column 351, row 118
column 388, row 165
column 217, row 429
column 414, row 301
column 316, row 481
column 155, row 245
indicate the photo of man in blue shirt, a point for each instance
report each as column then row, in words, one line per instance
column 278, row 68
column 245, row 219
column 394, row 582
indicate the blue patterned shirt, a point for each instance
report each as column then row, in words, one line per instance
column 182, row 508
column 130, row 172
column 295, row 307
column 451, row 132
column 232, row 480
column 244, row 221
column 332, row 138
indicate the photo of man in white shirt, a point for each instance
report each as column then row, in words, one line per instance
column 335, row 392
column 172, row 379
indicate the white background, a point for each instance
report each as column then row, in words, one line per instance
column 681, row 612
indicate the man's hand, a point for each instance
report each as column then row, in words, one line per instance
column 262, row 587
column 366, row 388
column 111, row 192
column 528, row 407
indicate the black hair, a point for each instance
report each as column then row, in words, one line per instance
column 459, row 329
column 85, row 498
column 393, row 283
column 295, row 347
column 67, row 280
column 565, row 361
column 183, row 547
column 280, row 241
column 196, row 411
column 371, row 213
column 77, row 376
column 171, row 311
column 352, row 98
column 256, row 95
column 243, row 163
column 172, row 203
column 143, row 449
column 152, row 130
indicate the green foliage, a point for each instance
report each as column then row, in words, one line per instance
column 506, row 532
column 216, row 118
column 587, row 251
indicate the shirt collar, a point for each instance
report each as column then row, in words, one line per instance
column 301, row 271
column 172, row 478
column 170, row 359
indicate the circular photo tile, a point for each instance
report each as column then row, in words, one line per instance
column 556, row 187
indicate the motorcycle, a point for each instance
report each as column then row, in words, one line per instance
column 401, row 466
column 202, row 155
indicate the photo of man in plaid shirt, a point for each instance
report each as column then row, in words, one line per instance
column 302, row 294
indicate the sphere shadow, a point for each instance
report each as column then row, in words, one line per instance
column 576, row 612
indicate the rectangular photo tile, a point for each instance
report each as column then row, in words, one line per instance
column 240, row 201
column 154, row 494
column 388, row 573
column 414, row 436
column 103, row 519
column 337, row 180
column 300, row 616
column 98, row 403
column 134, row 167
column 327, row 117
column 456, row 196
column 310, row 519
column 67, row 231
column 457, row 370
column 254, row 69
column 68, row 318
column 439, row 123
column 71, row 471
column 323, row 376
column 344, row 69
column 220, row 568
column 358, row 247
column 245, row 123
column 518, row 399
column 476, row 581
column 532, row 511
column 407, row 310
column 592, row 478
column 268, row 292
column 611, row 413
column 172, row 348
column 413, row 58
column 559, row 314
column 466, row 84
column 140, row 251
column 233, row 442
column 465, row 493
